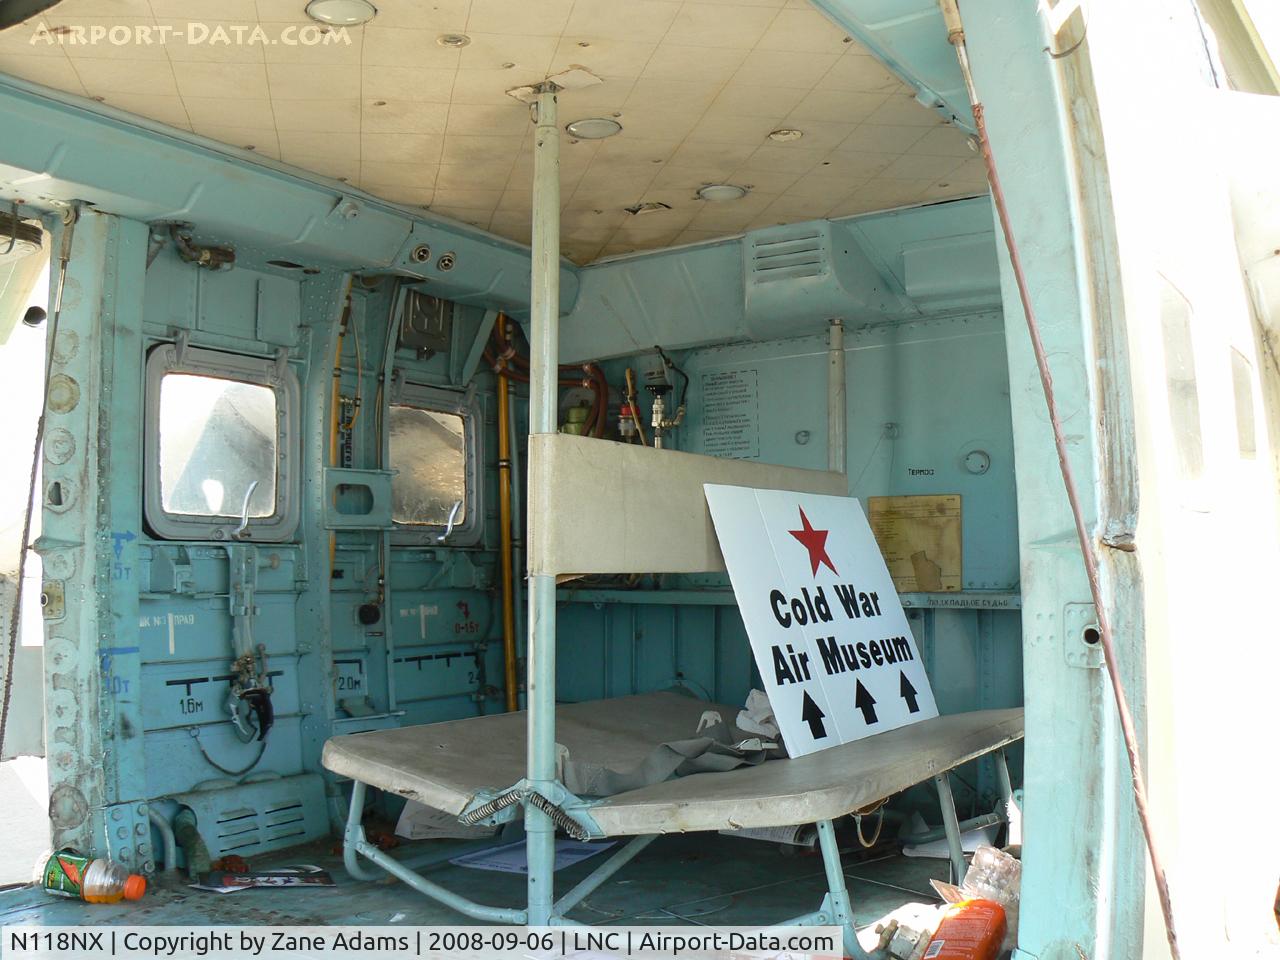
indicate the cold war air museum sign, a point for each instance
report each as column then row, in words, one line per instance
column 828, row 632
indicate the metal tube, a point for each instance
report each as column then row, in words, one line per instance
column 353, row 836
column 166, row 834
column 354, row 846
column 517, row 533
column 952, row 825
column 544, row 317
column 477, row 911
column 1002, row 776
column 591, row 883
column 838, row 893
column 837, row 428
column 504, row 522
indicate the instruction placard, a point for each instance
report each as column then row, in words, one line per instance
column 731, row 413
column 829, row 635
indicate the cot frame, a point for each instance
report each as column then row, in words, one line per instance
column 836, row 908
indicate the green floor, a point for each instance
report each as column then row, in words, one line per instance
column 699, row 879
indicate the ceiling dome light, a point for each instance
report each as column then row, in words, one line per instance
column 593, row 128
column 786, row 135
column 341, row 13
column 455, row 40
column 716, row 192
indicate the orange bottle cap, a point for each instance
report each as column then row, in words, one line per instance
column 135, row 887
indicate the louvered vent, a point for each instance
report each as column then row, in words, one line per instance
column 254, row 818
column 778, row 255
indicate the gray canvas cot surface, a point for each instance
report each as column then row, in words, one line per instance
column 444, row 765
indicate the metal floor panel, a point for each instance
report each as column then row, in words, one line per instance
column 704, row 879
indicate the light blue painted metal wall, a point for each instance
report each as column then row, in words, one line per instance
column 921, row 395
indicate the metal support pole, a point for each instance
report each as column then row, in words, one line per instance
column 837, row 892
column 952, row 823
column 544, row 302
column 837, row 429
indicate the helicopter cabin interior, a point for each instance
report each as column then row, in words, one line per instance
column 384, row 374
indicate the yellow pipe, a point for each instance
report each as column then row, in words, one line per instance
column 335, row 401
column 504, row 520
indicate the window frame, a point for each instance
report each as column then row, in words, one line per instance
column 167, row 358
column 468, row 407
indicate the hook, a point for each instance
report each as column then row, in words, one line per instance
column 452, row 522
column 239, row 532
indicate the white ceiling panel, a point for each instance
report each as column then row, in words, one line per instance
column 697, row 85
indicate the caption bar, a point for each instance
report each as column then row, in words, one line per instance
column 402, row 943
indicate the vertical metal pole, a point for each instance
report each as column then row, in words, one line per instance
column 837, row 429
column 543, row 387
column 952, row 824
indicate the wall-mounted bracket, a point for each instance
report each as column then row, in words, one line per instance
column 357, row 499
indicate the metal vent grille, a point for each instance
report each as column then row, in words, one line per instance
column 255, row 818
column 245, row 828
column 789, row 255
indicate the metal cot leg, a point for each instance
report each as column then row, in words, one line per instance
column 838, row 893
column 354, row 836
column 952, row 823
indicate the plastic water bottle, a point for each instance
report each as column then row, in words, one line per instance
column 69, row 874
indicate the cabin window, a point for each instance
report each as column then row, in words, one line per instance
column 433, row 449
column 219, row 446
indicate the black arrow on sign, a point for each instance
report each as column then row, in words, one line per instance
column 908, row 692
column 865, row 702
column 812, row 715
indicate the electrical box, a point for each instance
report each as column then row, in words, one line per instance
column 426, row 325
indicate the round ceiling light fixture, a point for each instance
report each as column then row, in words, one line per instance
column 593, row 128
column 341, row 13
column 786, row 135
column 717, row 192
column 454, row 40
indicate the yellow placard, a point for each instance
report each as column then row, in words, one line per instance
column 920, row 538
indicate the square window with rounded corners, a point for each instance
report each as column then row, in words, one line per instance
column 221, row 446
column 434, row 451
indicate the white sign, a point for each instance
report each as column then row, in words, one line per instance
column 827, row 629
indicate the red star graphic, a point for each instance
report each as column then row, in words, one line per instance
column 815, row 541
